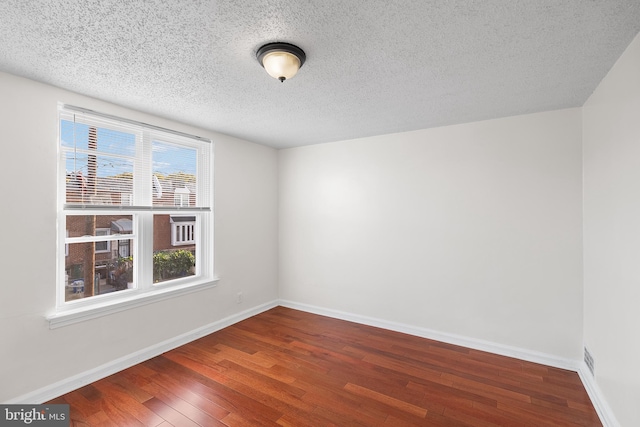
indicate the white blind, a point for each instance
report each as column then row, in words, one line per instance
column 111, row 163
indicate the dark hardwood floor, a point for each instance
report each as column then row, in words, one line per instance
column 291, row 368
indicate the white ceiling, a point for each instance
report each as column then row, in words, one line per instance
column 373, row 67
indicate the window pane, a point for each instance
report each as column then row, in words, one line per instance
column 174, row 247
column 174, row 175
column 98, row 225
column 90, row 272
column 98, row 164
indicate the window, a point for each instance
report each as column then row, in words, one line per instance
column 183, row 230
column 104, row 246
column 181, row 197
column 128, row 194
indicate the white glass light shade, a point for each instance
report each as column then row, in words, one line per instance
column 281, row 65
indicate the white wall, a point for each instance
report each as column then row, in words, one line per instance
column 471, row 229
column 33, row 356
column 611, row 128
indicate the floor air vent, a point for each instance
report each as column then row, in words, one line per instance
column 588, row 359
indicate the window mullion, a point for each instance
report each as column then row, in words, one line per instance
column 144, row 250
column 144, row 220
column 142, row 171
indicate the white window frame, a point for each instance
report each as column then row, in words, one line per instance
column 142, row 212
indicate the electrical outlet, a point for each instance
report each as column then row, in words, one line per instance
column 239, row 298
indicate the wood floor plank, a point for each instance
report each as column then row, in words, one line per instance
column 285, row 367
column 132, row 384
column 484, row 416
column 387, row 400
column 449, row 397
column 343, row 405
column 99, row 419
column 227, row 394
column 118, row 416
column 81, row 408
column 168, row 413
column 124, row 399
column 187, row 392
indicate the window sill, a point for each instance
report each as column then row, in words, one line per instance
column 77, row 315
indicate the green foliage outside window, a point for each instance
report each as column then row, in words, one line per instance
column 170, row 265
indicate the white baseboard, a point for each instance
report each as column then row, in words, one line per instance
column 72, row 383
column 476, row 344
column 601, row 406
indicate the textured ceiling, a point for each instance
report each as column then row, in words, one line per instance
column 373, row 67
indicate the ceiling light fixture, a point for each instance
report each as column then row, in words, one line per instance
column 281, row 60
